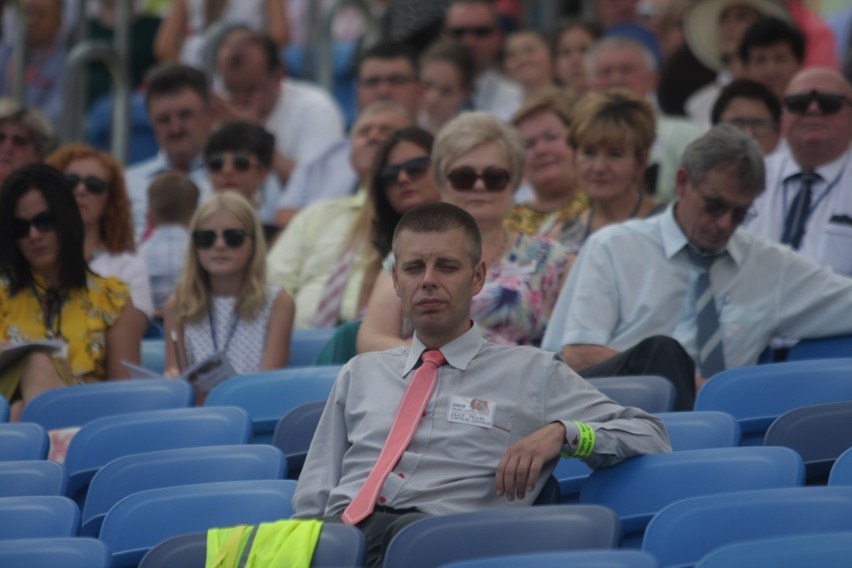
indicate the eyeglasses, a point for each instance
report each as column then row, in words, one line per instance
column 16, row 140
column 753, row 124
column 476, row 31
column 43, row 222
column 464, row 178
column 234, row 238
column 828, row 103
column 716, row 208
column 392, row 80
column 239, row 162
column 93, row 185
column 414, row 169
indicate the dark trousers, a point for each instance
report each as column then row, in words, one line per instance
column 380, row 528
column 658, row 355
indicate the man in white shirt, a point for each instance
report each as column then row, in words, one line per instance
column 178, row 104
column 304, row 118
column 812, row 216
column 668, row 274
column 476, row 24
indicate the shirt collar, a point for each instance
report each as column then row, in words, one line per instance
column 828, row 171
column 162, row 164
column 459, row 352
column 674, row 239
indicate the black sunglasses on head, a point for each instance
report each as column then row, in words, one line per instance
column 464, row 178
column 94, row 185
column 476, row 31
column 234, row 238
column 414, row 169
column 828, row 103
column 240, row 162
column 43, row 222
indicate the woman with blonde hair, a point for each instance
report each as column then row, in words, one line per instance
column 478, row 163
column 96, row 180
column 222, row 303
column 611, row 137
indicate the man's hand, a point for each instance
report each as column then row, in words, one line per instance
column 519, row 469
column 227, row 111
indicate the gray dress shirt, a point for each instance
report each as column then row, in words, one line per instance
column 450, row 465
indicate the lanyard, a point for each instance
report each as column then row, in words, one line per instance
column 822, row 196
column 213, row 329
column 51, row 305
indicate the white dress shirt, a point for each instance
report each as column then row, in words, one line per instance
column 635, row 280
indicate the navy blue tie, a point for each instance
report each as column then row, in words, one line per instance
column 797, row 215
column 711, row 358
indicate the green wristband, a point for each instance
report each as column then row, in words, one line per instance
column 587, row 440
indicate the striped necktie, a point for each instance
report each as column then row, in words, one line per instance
column 711, row 358
column 800, row 209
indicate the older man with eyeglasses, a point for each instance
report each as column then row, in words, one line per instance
column 807, row 204
column 689, row 275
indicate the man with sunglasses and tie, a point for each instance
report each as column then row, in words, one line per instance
column 690, row 275
column 807, row 204
column 476, row 24
column 452, row 423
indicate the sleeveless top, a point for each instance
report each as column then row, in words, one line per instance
column 245, row 349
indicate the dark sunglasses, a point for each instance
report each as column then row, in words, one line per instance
column 240, row 162
column 476, row 31
column 414, row 169
column 234, row 238
column 828, row 103
column 92, row 184
column 717, row 208
column 43, row 222
column 464, row 178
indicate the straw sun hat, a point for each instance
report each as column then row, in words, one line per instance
column 701, row 25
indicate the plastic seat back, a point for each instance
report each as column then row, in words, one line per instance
column 823, row 348
column 701, row 429
column 438, row 540
column 584, row 558
column 339, row 545
column 294, row 432
column 269, row 395
column 79, row 404
column 4, row 409
column 841, row 470
column 38, row 516
column 826, row 550
column 757, row 395
column 167, row 468
column 306, row 345
column 819, row 433
column 23, row 441
column 685, row 531
column 140, row 521
column 52, row 552
column 32, row 477
column 153, row 354
column 638, row 488
column 102, row 440
column 648, row 392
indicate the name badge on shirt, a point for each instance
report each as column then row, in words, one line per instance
column 472, row 411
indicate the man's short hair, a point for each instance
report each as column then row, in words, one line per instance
column 617, row 42
column 32, row 120
column 725, row 147
column 746, row 89
column 247, row 37
column 558, row 100
column 771, row 31
column 172, row 198
column 457, row 55
column 438, row 218
column 241, row 136
column 470, row 130
column 388, row 50
column 171, row 78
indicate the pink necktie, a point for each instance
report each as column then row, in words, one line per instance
column 408, row 416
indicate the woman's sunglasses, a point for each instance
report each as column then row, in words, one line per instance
column 828, row 103
column 93, row 185
column 43, row 222
column 240, row 162
column 234, row 238
column 414, row 169
column 464, row 178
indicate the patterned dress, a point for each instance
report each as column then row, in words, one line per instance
column 85, row 317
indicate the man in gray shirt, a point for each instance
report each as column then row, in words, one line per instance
column 494, row 425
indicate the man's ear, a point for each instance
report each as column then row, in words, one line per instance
column 479, row 272
column 681, row 182
column 395, row 285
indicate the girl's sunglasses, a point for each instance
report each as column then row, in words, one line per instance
column 464, row 178
column 239, row 162
column 414, row 169
column 93, row 185
column 43, row 222
column 234, row 238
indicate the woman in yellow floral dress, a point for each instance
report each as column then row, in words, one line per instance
column 48, row 292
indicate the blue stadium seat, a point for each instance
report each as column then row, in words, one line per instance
column 52, row 552
column 824, row 348
column 826, row 550
column 153, row 355
column 306, row 345
column 648, row 392
column 142, row 144
column 38, row 516
column 583, row 558
column 23, row 441
column 32, row 477
column 4, row 409
column 841, row 470
column 701, row 429
column 294, row 432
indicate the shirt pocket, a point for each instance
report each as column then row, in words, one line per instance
column 742, row 327
column 479, row 445
column 836, row 247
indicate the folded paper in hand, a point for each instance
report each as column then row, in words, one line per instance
column 11, row 353
column 204, row 375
